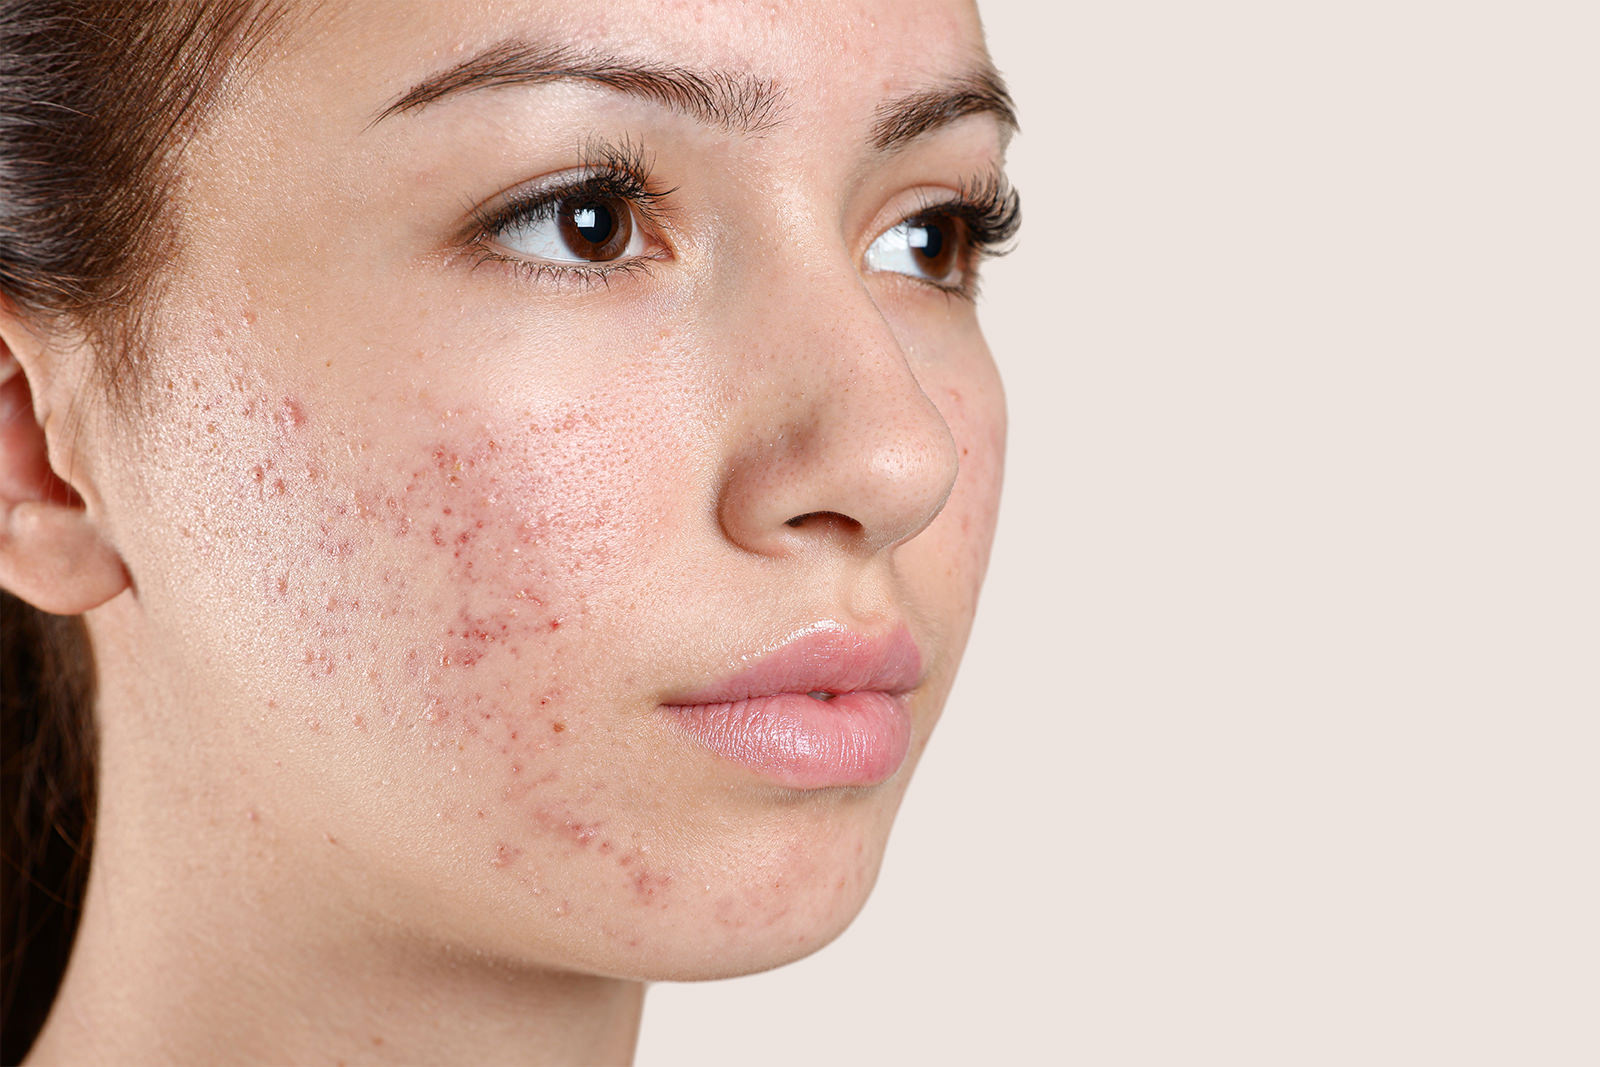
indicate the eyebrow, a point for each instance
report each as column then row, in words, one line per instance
column 981, row 91
column 737, row 102
column 741, row 103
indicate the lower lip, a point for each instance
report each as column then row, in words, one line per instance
column 801, row 742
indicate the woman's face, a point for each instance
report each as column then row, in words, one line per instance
column 497, row 444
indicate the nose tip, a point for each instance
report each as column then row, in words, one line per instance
column 863, row 462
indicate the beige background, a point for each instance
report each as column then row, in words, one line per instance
column 1277, row 742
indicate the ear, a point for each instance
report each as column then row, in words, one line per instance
column 53, row 554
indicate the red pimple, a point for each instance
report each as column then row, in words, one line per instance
column 290, row 415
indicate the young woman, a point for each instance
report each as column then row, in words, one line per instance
column 525, row 471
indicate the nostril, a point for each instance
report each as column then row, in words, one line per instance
column 824, row 519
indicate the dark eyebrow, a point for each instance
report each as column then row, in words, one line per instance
column 734, row 101
column 898, row 122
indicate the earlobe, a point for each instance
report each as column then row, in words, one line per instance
column 52, row 553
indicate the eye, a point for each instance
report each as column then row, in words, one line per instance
column 930, row 247
column 582, row 227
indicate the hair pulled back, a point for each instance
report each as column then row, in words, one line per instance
column 97, row 98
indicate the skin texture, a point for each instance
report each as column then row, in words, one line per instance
column 401, row 552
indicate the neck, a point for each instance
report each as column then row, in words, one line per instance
column 154, row 978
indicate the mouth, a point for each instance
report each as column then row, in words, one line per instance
column 826, row 708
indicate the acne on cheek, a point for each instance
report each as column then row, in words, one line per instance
column 436, row 597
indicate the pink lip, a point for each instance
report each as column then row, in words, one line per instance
column 765, row 718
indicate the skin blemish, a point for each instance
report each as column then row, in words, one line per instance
column 290, row 415
column 447, row 578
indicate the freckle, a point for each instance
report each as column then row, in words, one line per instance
column 330, row 838
column 558, row 727
column 376, row 1040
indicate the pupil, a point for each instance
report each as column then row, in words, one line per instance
column 928, row 240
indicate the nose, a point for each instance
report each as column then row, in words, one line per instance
column 831, row 439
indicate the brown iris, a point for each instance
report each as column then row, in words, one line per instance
column 594, row 228
column 935, row 242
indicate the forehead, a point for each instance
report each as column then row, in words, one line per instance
column 353, row 58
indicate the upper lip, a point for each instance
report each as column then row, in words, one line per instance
column 821, row 659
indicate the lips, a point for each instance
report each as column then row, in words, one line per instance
column 826, row 709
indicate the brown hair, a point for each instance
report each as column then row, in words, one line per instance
column 97, row 98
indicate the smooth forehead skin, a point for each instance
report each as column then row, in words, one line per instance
column 425, row 543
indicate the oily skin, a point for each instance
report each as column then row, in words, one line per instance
column 419, row 545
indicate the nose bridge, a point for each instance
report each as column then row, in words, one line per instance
column 834, row 439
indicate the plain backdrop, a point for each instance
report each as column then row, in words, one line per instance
column 1277, row 740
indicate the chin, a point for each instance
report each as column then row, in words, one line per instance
column 780, row 909
column 719, row 892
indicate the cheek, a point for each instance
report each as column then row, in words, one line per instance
column 424, row 607
column 959, row 540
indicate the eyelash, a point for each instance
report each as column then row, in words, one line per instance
column 988, row 209
column 990, row 212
